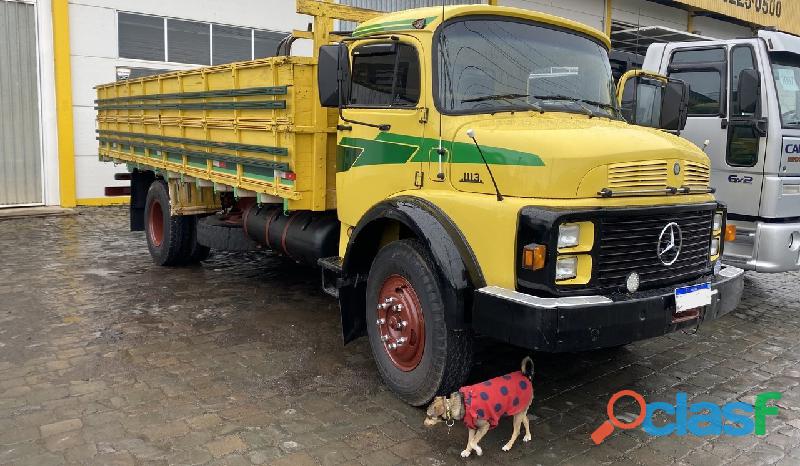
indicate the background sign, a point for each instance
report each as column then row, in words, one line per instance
column 781, row 14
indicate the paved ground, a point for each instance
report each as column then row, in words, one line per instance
column 107, row 359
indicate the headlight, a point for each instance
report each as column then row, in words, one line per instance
column 566, row 268
column 718, row 218
column 568, row 235
column 714, row 247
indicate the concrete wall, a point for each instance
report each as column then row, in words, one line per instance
column 95, row 57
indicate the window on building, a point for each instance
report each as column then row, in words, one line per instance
column 188, row 42
column 266, row 43
column 385, row 75
column 141, row 37
column 231, row 44
column 704, row 91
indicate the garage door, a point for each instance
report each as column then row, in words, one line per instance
column 20, row 143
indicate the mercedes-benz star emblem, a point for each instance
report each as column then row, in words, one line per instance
column 669, row 244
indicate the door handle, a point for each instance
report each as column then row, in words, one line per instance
column 761, row 126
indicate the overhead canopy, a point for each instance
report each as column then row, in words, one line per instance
column 783, row 15
column 638, row 39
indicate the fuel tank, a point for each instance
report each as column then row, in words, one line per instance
column 304, row 236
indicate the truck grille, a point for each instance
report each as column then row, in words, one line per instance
column 654, row 174
column 651, row 174
column 629, row 244
column 697, row 175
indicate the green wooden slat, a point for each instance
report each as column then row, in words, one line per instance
column 272, row 90
column 197, row 142
column 209, row 155
column 268, row 105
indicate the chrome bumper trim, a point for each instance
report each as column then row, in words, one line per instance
column 545, row 303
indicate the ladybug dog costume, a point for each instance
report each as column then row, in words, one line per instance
column 482, row 405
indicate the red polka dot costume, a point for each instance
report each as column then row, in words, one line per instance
column 502, row 396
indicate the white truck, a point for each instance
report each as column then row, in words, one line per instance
column 744, row 110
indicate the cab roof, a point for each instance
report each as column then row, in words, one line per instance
column 431, row 17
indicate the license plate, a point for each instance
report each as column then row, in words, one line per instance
column 692, row 297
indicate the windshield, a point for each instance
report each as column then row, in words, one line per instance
column 786, row 72
column 498, row 64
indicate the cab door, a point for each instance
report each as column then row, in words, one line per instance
column 730, row 138
column 381, row 125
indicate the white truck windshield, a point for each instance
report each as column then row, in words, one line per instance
column 786, row 72
column 497, row 64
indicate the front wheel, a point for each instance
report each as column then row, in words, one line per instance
column 417, row 355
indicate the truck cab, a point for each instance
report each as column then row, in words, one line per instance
column 743, row 110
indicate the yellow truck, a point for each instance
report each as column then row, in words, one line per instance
column 454, row 172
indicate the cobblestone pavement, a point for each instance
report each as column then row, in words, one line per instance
column 108, row 359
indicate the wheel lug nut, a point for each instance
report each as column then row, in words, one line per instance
column 397, row 307
column 401, row 341
column 403, row 324
column 392, row 346
column 384, row 338
column 380, row 321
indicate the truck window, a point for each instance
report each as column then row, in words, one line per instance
column 742, row 145
column 704, row 91
column 742, row 58
column 385, row 75
column 699, row 56
column 499, row 64
column 786, row 73
column 704, row 71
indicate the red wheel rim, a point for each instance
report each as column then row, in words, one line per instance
column 401, row 324
column 155, row 223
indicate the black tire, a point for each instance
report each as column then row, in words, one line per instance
column 447, row 354
column 171, row 240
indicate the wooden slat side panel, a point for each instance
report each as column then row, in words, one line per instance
column 217, row 136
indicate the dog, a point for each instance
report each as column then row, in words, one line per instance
column 480, row 406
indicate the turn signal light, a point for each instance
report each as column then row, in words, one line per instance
column 730, row 233
column 533, row 256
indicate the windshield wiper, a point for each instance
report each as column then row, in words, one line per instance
column 581, row 102
column 503, row 97
column 494, row 97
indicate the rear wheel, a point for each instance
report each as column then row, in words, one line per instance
column 172, row 240
column 417, row 355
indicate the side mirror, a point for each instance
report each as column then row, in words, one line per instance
column 674, row 106
column 749, row 91
column 652, row 100
column 333, row 73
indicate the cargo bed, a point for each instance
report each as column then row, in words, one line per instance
column 255, row 127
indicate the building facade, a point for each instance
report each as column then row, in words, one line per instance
column 55, row 51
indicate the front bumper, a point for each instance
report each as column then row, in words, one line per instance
column 593, row 322
column 764, row 247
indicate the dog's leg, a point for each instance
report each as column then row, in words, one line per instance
column 468, row 450
column 527, row 437
column 482, row 429
column 517, row 420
